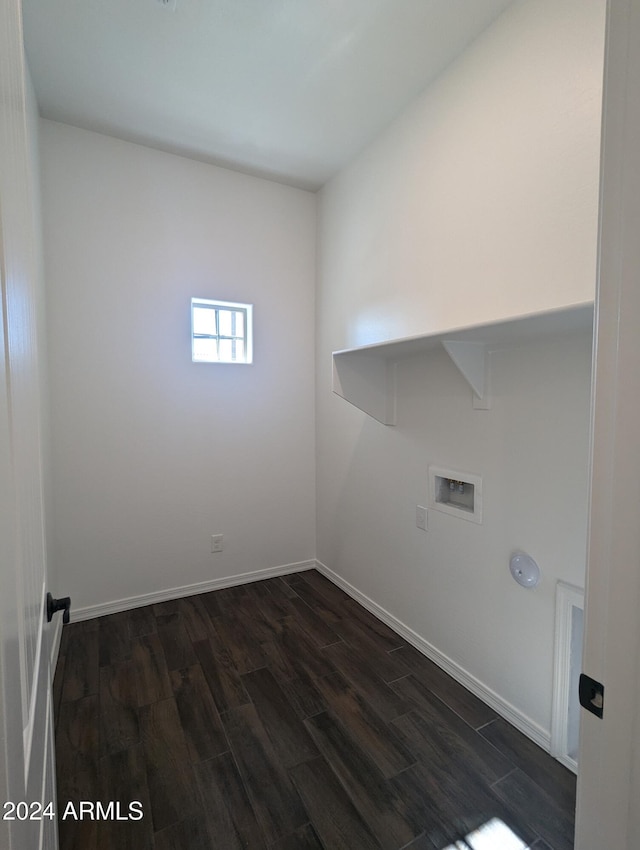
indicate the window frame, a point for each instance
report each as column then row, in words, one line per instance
column 233, row 307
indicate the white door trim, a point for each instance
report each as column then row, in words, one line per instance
column 568, row 599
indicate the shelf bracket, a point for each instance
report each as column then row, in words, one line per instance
column 472, row 361
column 368, row 382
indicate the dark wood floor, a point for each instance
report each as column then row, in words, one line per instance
column 282, row 714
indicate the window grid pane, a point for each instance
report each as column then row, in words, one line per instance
column 205, row 321
column 220, row 332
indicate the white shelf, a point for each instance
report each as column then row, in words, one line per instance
column 365, row 376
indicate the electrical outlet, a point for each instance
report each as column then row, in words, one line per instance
column 216, row 543
column 421, row 517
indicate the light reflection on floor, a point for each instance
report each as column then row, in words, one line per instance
column 493, row 835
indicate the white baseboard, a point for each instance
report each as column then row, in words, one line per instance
column 117, row 605
column 527, row 726
column 570, row 763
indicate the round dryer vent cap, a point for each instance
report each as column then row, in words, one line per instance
column 524, row 570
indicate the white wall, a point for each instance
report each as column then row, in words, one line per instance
column 479, row 204
column 151, row 453
column 452, row 585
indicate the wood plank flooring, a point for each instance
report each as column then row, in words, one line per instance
column 283, row 715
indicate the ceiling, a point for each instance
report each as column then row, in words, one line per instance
column 287, row 89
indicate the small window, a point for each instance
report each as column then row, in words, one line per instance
column 221, row 332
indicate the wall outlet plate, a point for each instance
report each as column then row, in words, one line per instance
column 421, row 517
column 216, row 543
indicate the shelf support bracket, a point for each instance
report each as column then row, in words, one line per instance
column 472, row 361
column 368, row 382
